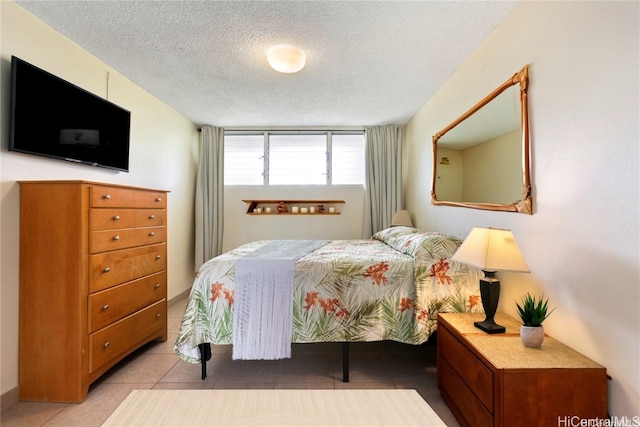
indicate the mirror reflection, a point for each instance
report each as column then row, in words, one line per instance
column 481, row 160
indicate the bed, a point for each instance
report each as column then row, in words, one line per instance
column 389, row 287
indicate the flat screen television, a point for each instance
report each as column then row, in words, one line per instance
column 54, row 118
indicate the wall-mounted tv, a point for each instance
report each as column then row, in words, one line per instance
column 53, row 118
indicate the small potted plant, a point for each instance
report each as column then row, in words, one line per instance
column 533, row 312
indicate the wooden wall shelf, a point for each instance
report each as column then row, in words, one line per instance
column 262, row 205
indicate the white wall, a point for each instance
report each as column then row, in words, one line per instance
column 163, row 151
column 582, row 242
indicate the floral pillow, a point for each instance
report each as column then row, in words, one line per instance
column 423, row 246
column 389, row 234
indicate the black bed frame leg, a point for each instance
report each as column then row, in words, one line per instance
column 205, row 355
column 345, row 362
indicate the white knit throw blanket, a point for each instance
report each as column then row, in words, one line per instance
column 263, row 307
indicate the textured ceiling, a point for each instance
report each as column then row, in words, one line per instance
column 368, row 63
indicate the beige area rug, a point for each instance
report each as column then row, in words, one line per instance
column 274, row 408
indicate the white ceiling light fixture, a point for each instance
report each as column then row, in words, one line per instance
column 286, row 59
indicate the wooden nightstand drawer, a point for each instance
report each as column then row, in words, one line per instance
column 472, row 410
column 475, row 374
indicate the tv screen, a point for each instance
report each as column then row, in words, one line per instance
column 53, row 118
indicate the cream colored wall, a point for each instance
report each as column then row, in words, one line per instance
column 582, row 242
column 163, row 151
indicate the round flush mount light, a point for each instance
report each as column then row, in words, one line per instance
column 286, row 59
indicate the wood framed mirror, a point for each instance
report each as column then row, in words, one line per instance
column 482, row 159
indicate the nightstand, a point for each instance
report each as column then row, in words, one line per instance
column 493, row 380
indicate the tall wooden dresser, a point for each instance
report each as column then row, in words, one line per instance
column 93, row 282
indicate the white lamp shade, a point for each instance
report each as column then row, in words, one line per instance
column 286, row 59
column 491, row 249
column 401, row 218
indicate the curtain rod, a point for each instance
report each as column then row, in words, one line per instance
column 293, row 129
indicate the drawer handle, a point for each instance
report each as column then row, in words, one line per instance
column 157, row 285
column 152, row 216
column 107, row 196
column 116, row 218
column 105, row 307
column 157, row 315
column 116, row 237
column 152, row 233
column 158, row 199
column 107, row 344
column 158, row 257
column 106, row 270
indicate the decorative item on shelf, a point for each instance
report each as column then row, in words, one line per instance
column 291, row 206
column 332, row 210
column 401, row 218
column 491, row 249
column 533, row 312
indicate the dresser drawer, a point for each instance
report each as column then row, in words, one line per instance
column 465, row 401
column 151, row 217
column 110, row 219
column 109, row 305
column 472, row 372
column 109, row 240
column 112, row 197
column 112, row 268
column 126, row 334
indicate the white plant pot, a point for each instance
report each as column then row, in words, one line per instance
column 532, row 336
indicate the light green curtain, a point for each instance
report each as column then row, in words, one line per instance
column 209, row 207
column 383, row 177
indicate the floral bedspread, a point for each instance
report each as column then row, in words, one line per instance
column 390, row 287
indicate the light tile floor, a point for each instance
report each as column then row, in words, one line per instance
column 312, row 366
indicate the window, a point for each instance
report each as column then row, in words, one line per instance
column 297, row 159
column 243, row 159
column 294, row 158
column 347, row 156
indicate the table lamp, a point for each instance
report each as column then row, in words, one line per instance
column 401, row 218
column 491, row 249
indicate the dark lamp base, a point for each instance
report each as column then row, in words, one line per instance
column 489, row 294
column 489, row 326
